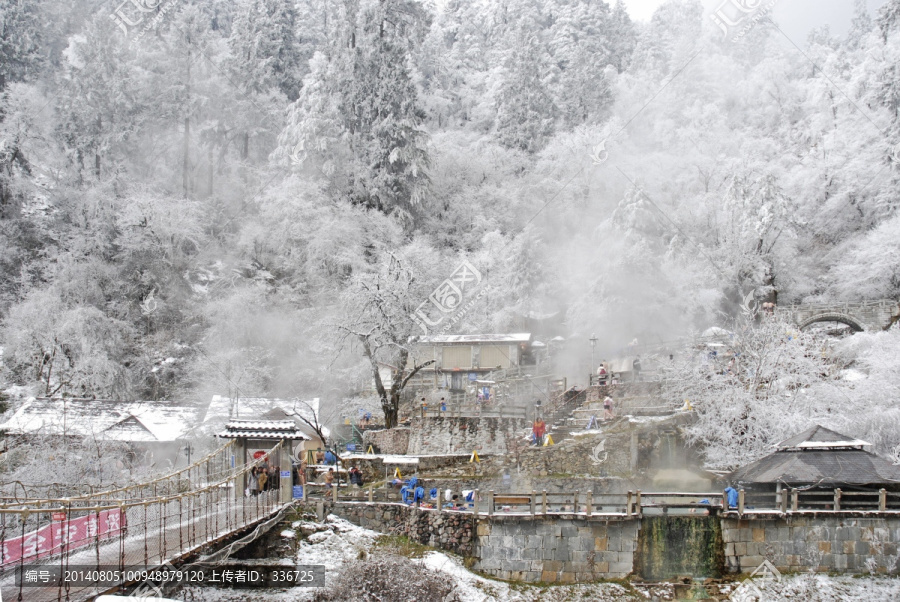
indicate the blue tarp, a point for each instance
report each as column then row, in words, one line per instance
column 732, row 495
column 411, row 494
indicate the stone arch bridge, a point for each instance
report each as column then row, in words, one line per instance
column 860, row 316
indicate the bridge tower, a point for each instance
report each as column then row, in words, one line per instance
column 254, row 439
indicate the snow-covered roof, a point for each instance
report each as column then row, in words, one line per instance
column 517, row 337
column 252, row 408
column 262, row 429
column 105, row 419
column 821, row 456
column 255, row 407
column 399, row 460
column 819, row 437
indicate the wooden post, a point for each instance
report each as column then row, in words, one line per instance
column 491, row 502
column 837, row 500
column 590, row 502
column 334, row 496
column 544, row 501
column 637, row 509
column 882, row 500
column 784, row 500
column 724, row 502
column 628, row 505
column 371, row 492
column 575, row 503
column 741, row 502
column 534, row 501
column 477, row 497
column 795, row 500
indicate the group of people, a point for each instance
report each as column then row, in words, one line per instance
column 325, row 457
column 606, row 377
column 424, row 406
column 264, row 478
column 355, row 476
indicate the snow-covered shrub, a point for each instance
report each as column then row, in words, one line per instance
column 389, row 578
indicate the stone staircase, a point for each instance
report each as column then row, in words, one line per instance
column 557, row 419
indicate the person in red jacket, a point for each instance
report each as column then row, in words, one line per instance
column 537, row 431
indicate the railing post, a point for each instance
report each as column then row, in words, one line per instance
column 544, row 501
column 575, row 503
column 477, row 497
column 638, row 511
column 590, row 502
column 784, row 500
column 795, row 500
column 371, row 492
column 741, row 502
column 491, row 502
column 334, row 495
column 628, row 504
column 533, row 502
column 837, row 499
column 882, row 500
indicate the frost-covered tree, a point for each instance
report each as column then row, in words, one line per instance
column 357, row 119
column 526, row 112
column 262, row 60
column 99, row 108
column 75, row 351
column 781, row 381
column 21, row 41
column 378, row 319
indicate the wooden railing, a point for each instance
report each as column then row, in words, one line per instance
column 473, row 410
column 632, row 503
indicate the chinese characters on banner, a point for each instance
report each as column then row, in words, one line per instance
column 52, row 538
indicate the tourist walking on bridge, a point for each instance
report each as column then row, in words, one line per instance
column 253, row 484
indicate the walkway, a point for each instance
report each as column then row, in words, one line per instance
column 116, row 531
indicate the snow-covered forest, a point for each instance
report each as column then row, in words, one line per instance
column 206, row 197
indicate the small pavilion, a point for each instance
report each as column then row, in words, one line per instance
column 819, row 458
column 254, row 440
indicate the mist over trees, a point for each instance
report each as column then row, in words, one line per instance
column 199, row 201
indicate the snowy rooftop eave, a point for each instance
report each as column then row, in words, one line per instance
column 263, row 429
column 139, row 421
column 517, row 337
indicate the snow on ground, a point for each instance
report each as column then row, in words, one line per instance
column 851, row 374
column 473, row 588
column 337, row 542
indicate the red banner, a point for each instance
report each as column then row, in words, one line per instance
column 72, row 533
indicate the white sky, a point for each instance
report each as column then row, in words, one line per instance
column 795, row 17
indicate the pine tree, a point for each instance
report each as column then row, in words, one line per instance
column 20, row 41
column 360, row 115
column 99, row 107
column 861, row 24
column 526, row 113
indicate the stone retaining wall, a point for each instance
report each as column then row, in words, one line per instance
column 821, row 543
column 568, row 549
column 388, row 441
column 373, row 468
column 452, row 435
column 453, row 531
column 555, row 550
